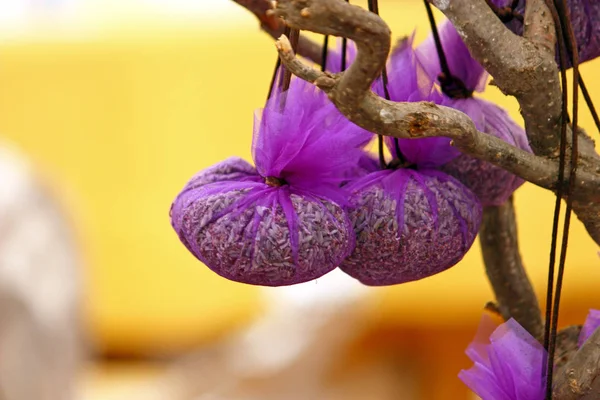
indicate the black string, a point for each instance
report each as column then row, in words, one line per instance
column 548, row 363
column 324, row 52
column 286, row 32
column 438, row 43
column 567, row 40
column 451, row 86
column 571, row 44
column 274, row 78
column 374, row 8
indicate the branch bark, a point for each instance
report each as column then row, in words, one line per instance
column 423, row 119
column 504, row 267
column 580, row 378
column 350, row 92
column 523, row 68
column 262, row 10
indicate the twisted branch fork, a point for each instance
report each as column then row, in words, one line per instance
column 523, row 67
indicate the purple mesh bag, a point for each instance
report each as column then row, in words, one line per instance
column 585, row 18
column 286, row 224
column 409, row 225
column 507, row 364
column 366, row 164
column 492, row 185
column 232, row 169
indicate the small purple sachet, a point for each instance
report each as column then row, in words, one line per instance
column 409, row 224
column 285, row 223
column 507, row 364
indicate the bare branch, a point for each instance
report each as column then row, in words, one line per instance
column 274, row 26
column 539, row 26
column 567, row 344
column 520, row 67
column 423, row 119
column 580, row 377
column 500, row 248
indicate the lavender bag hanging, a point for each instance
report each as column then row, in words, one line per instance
column 285, row 223
column 493, row 185
column 411, row 221
column 409, row 82
column 409, row 224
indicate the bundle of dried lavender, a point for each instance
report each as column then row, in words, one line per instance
column 283, row 223
column 409, row 224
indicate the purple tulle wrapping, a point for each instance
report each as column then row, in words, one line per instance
column 367, row 163
column 492, row 185
column 334, row 58
column 232, row 169
column 409, row 225
column 284, row 222
column 253, row 233
column 460, row 62
column 408, row 81
column 310, row 144
column 592, row 323
column 585, row 19
column 507, row 365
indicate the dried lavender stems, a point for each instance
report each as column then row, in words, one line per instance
column 409, row 225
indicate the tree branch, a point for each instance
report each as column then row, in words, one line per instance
column 579, row 379
column 535, row 72
column 500, row 248
column 274, row 26
column 421, row 119
column 522, row 68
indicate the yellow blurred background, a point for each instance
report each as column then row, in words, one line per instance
column 120, row 106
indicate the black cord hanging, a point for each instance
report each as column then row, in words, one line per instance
column 451, row 86
column 567, row 45
column 285, row 76
column 324, row 53
column 374, row 8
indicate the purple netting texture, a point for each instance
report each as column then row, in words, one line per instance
column 408, row 81
column 409, row 225
column 507, row 365
column 491, row 184
column 592, row 323
column 283, row 223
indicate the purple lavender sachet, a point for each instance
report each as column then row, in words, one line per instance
column 409, row 224
column 492, row 185
column 284, row 224
column 507, row 364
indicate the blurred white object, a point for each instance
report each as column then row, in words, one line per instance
column 39, row 287
column 291, row 353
